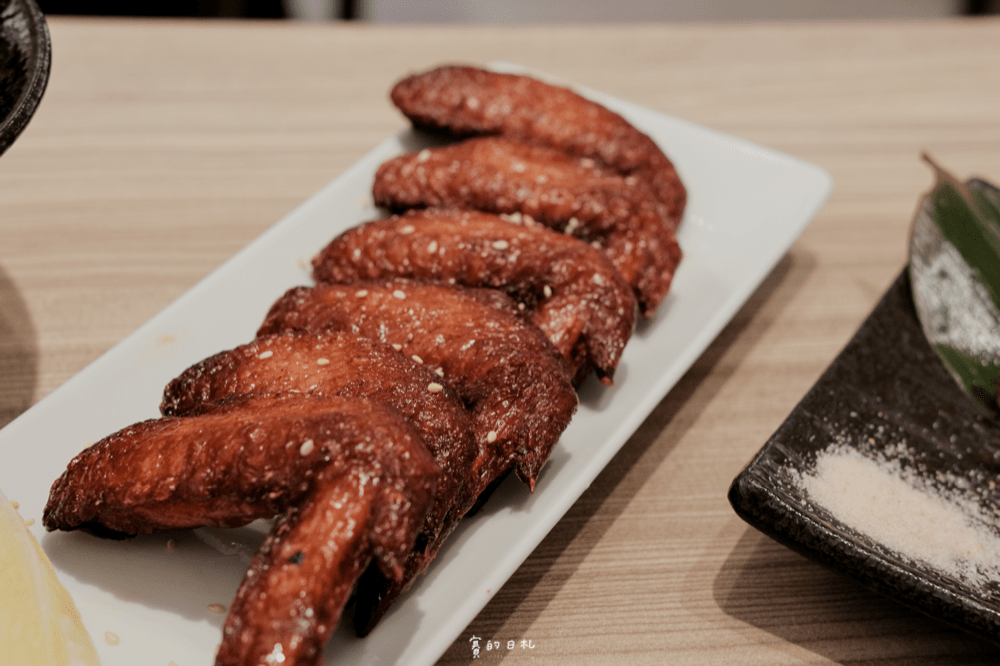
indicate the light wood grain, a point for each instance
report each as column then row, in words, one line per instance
column 163, row 147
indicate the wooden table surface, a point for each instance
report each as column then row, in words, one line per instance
column 163, row 147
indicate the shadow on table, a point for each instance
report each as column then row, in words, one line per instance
column 769, row 587
column 18, row 352
column 511, row 612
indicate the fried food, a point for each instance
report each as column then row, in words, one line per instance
column 344, row 364
column 351, row 480
column 335, row 363
column 346, row 418
column 223, row 468
column 570, row 194
column 573, row 292
column 357, row 518
column 505, row 370
column 467, row 101
column 300, row 581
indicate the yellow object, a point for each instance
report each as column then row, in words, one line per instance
column 39, row 623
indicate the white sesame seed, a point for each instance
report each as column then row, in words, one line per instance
column 408, row 229
column 322, row 361
column 400, row 294
column 265, row 354
column 397, row 347
column 306, row 448
column 547, row 290
column 361, row 293
column 111, row 638
column 491, row 436
column 439, row 372
column 434, row 387
column 417, row 359
column 432, row 248
column 500, row 245
column 424, row 155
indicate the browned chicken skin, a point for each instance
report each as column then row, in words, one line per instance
column 176, row 473
column 344, row 364
column 351, row 478
column 295, row 582
column 467, row 101
column 571, row 194
column 574, row 294
column 504, row 368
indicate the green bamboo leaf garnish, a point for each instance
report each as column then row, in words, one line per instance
column 955, row 277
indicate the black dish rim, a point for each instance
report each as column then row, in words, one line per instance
column 37, row 52
column 888, row 369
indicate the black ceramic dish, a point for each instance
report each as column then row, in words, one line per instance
column 887, row 386
column 25, row 58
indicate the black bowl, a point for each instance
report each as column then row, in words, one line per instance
column 25, row 59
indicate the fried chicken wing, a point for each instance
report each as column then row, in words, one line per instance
column 299, row 582
column 573, row 292
column 571, row 194
column 331, row 363
column 243, row 461
column 468, row 101
column 294, row 592
column 504, row 368
column 342, row 364
column 352, row 479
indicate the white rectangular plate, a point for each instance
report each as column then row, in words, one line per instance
column 746, row 206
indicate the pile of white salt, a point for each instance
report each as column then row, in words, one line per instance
column 939, row 524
